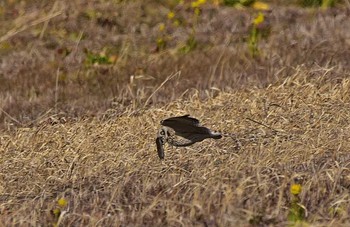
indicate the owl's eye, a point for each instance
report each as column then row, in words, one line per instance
column 162, row 132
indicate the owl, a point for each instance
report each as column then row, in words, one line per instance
column 181, row 132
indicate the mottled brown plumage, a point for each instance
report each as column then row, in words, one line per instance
column 182, row 131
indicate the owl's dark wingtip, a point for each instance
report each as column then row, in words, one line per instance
column 183, row 116
column 160, row 148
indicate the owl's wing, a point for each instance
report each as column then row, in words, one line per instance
column 181, row 124
column 160, row 148
column 192, row 131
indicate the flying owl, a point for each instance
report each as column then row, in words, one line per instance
column 181, row 132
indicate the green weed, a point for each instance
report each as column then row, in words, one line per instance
column 99, row 58
column 318, row 3
column 255, row 35
column 296, row 215
column 59, row 211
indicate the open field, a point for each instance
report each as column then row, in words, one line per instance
column 53, row 55
column 110, row 174
column 83, row 87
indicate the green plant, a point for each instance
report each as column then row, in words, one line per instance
column 191, row 44
column 296, row 213
column 174, row 21
column 238, row 2
column 99, row 58
column 255, row 34
column 58, row 212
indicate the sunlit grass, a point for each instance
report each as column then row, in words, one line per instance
column 106, row 171
column 84, row 86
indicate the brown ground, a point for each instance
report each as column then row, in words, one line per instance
column 44, row 68
column 85, row 131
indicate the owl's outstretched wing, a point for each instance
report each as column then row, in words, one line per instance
column 182, row 124
column 160, row 148
column 185, row 120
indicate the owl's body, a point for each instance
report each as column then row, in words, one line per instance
column 182, row 131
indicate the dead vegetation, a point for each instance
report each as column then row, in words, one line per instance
column 85, row 132
column 109, row 172
column 45, row 48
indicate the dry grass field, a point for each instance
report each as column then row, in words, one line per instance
column 296, row 131
column 83, row 87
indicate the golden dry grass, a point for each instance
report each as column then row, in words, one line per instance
column 109, row 172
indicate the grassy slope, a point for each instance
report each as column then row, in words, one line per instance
column 44, row 67
column 110, row 173
column 107, row 167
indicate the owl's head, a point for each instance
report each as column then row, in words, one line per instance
column 163, row 133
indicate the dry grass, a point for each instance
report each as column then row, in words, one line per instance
column 44, row 45
column 85, row 132
column 109, row 172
